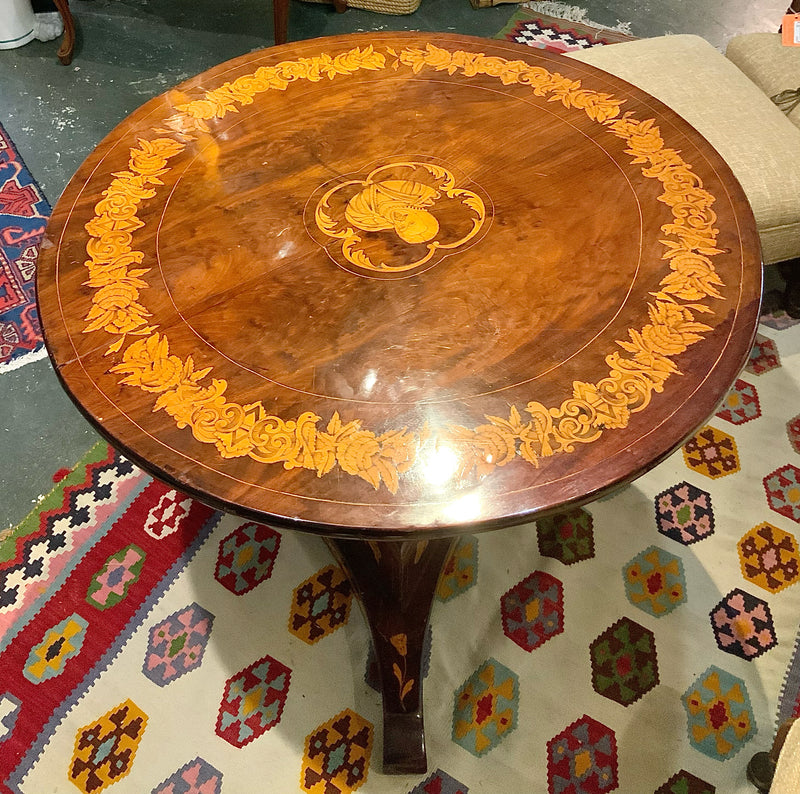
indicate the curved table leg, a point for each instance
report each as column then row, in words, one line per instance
column 395, row 582
column 68, row 42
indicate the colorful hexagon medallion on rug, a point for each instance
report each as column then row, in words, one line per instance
column 783, row 491
column 763, row 357
column 486, row 707
column 105, row 749
column 793, row 432
column 337, row 755
column 743, row 625
column 253, row 701
column 582, row 759
column 655, row 582
column 439, row 783
column 320, row 604
column 461, row 569
column 720, row 717
column 246, row 557
column 119, row 572
column 9, row 711
column 533, row 610
column 684, row 513
column 741, row 405
column 769, row 557
column 711, row 452
column 567, row 537
column 684, row 782
column 176, row 645
column 196, row 777
column 624, row 662
column 59, row 644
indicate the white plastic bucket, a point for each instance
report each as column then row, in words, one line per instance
column 17, row 23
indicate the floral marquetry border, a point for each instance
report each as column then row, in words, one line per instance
column 195, row 399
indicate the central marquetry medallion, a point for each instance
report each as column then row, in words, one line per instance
column 397, row 218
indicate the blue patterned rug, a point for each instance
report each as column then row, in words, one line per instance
column 23, row 216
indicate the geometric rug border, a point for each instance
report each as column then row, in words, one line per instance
column 16, row 778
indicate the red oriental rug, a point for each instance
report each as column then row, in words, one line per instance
column 535, row 29
column 23, row 216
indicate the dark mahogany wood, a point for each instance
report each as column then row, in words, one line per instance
column 355, row 400
column 395, row 583
column 280, row 15
column 393, row 287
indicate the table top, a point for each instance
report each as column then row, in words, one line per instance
column 396, row 282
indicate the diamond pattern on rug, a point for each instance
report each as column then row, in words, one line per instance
column 684, row 513
column 741, row 405
column 111, row 583
column 655, row 581
column 176, row 645
column 763, row 357
column 196, row 777
column 439, row 783
column 533, row 610
column 743, row 625
column 711, row 452
column 783, row 491
column 533, row 34
column 48, row 659
column 253, row 701
column 568, row 537
column 485, row 708
column 320, row 604
column 769, row 557
column 460, row 572
column 246, row 557
column 684, row 782
column 105, row 749
column 793, row 431
column 51, row 537
column 720, row 717
column 582, row 759
column 337, row 755
column 624, row 662
column 168, row 515
column 9, row 711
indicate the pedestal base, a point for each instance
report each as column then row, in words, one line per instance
column 395, row 582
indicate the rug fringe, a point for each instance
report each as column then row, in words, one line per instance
column 574, row 14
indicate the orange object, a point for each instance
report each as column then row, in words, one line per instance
column 790, row 30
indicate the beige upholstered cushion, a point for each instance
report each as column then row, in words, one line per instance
column 759, row 143
column 770, row 65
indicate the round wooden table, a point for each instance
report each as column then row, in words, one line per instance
column 392, row 287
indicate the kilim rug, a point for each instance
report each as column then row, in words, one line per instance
column 639, row 644
column 23, row 215
column 556, row 34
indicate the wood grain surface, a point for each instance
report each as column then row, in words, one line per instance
column 389, row 283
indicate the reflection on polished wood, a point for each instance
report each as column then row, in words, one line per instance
column 400, row 286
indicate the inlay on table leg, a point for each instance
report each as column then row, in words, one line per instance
column 395, row 582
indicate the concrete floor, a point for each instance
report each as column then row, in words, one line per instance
column 130, row 50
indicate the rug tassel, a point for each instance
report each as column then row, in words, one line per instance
column 574, row 14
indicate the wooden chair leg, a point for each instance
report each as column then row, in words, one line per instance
column 280, row 11
column 68, row 42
